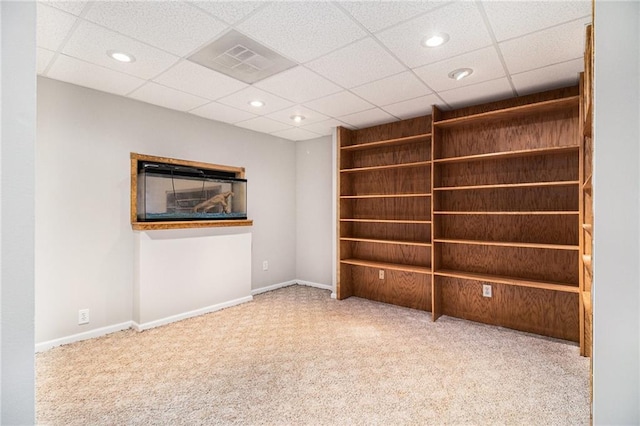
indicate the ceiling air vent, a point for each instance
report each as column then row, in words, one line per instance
column 240, row 57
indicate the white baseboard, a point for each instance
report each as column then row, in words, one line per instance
column 91, row 334
column 190, row 314
column 316, row 285
column 334, row 295
column 273, row 287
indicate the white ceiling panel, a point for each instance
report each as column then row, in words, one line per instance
column 413, row 107
column 264, row 125
column 325, row 128
column 485, row 64
column 460, row 20
column 310, row 116
column 542, row 48
column 220, row 112
column 91, row 43
column 167, row 97
column 547, row 78
column 299, row 85
column 296, row 134
column 487, row 91
column 43, row 58
column 93, row 76
column 376, row 16
column 53, row 26
column 173, row 26
column 345, row 66
column 390, row 90
column 241, row 99
column 74, row 7
column 338, row 104
column 302, row 31
column 200, row 81
column 516, row 18
column 367, row 118
column 228, row 11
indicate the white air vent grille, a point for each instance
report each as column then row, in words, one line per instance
column 240, row 57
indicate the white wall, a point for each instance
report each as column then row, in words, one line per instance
column 315, row 229
column 84, row 242
column 616, row 182
column 17, row 140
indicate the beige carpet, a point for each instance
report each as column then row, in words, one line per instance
column 295, row 356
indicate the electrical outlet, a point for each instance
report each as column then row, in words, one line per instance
column 265, row 265
column 381, row 274
column 83, row 316
column 486, row 290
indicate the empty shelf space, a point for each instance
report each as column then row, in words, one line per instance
column 520, row 282
column 509, row 154
column 379, row 241
column 508, row 185
column 388, row 142
column 384, row 221
column 513, row 112
column 508, row 244
column 384, row 265
column 356, row 197
column 387, row 167
column 522, row 213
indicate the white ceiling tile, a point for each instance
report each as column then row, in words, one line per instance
column 200, row 81
column 510, row 19
column 219, row 112
column 547, row 78
column 460, row 20
column 173, row 26
column 485, row 64
column 487, row 91
column 345, row 66
column 296, row 134
column 165, row 96
column 85, row 74
column 53, row 25
column 368, row 118
column 262, row 124
column 326, row 127
column 228, row 11
column 390, row 90
column 75, row 7
column 378, row 15
column 414, row 107
column 90, row 43
column 43, row 56
column 284, row 116
column 302, row 31
column 242, row 98
column 342, row 103
column 298, row 85
column 542, row 48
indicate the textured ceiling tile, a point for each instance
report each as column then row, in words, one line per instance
column 200, row 81
column 378, row 15
column 326, row 127
column 510, row 19
column 74, row 7
column 284, row 116
column 357, row 64
column 298, row 85
column 342, row 103
column 368, row 118
column 90, row 43
column 228, row 11
column 414, row 107
column 43, row 56
column 296, row 134
column 170, row 25
column 242, row 98
column 485, row 64
column 264, row 125
column 219, row 112
column 52, row 26
column 302, row 31
column 548, row 77
column 460, row 20
column 169, row 98
column 542, row 48
column 487, row 91
column 82, row 73
column 390, row 90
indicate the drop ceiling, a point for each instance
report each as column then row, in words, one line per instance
column 354, row 63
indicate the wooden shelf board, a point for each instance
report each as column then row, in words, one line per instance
column 378, row 241
column 150, row 226
column 587, row 227
column 520, row 282
column 513, row 112
column 388, row 142
column 508, row 244
column 520, row 213
column 352, row 197
column 509, row 154
column 587, row 183
column 387, row 167
column 384, row 265
column 386, row 221
column 509, row 185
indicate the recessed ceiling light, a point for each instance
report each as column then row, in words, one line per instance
column 256, row 104
column 460, row 73
column 435, row 40
column 298, row 118
column 121, row 56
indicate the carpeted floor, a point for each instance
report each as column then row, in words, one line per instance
column 295, row 356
